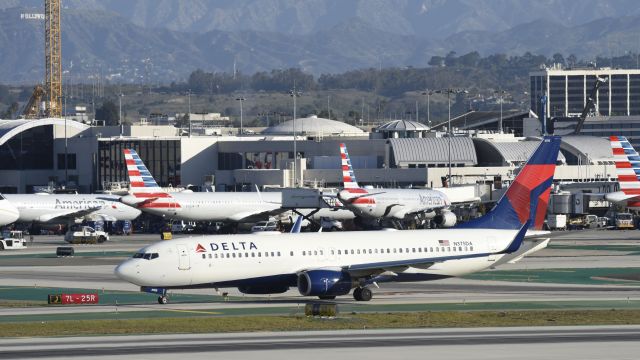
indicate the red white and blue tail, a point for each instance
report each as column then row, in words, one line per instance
column 348, row 176
column 141, row 182
column 527, row 198
column 627, row 165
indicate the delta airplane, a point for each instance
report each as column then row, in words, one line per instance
column 628, row 173
column 392, row 203
column 146, row 195
column 70, row 207
column 330, row 265
column 8, row 213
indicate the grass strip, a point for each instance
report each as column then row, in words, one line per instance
column 344, row 321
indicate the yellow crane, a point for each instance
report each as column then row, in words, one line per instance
column 53, row 58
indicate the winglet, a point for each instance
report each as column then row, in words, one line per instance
column 297, row 226
column 517, row 240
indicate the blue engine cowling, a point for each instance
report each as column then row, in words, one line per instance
column 324, row 282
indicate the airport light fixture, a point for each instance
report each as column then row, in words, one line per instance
column 450, row 91
column 241, row 99
column 428, row 94
column 189, row 111
column 501, row 94
column 295, row 94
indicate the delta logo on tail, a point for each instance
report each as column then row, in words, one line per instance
column 528, row 196
column 627, row 170
column 143, row 185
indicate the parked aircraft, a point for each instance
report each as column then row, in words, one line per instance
column 146, row 195
column 628, row 173
column 395, row 204
column 70, row 207
column 8, row 212
column 329, row 265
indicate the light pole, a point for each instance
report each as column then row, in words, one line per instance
column 189, row 111
column 501, row 93
column 241, row 99
column 66, row 144
column 449, row 131
column 294, row 94
column 120, row 113
column 428, row 94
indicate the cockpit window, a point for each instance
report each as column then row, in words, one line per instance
column 154, row 256
column 147, row 256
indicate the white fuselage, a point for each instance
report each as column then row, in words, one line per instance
column 233, row 259
column 45, row 208
column 395, row 203
column 212, row 206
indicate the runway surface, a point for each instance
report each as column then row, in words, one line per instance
column 596, row 342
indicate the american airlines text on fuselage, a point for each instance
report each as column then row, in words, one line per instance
column 79, row 204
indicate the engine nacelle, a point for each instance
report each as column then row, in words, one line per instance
column 445, row 219
column 324, row 282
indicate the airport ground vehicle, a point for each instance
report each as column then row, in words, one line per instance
column 12, row 240
column 270, row 225
column 624, row 221
column 183, row 226
column 85, row 235
column 557, row 222
column 584, row 222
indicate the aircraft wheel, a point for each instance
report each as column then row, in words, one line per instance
column 327, row 297
column 357, row 294
column 365, row 294
column 163, row 300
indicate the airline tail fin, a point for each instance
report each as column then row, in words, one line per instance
column 141, row 182
column 348, row 176
column 627, row 165
column 527, row 198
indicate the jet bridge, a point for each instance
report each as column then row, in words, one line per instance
column 295, row 199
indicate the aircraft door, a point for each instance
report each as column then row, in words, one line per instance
column 183, row 258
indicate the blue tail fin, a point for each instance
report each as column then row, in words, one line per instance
column 528, row 196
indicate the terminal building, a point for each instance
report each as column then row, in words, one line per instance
column 90, row 158
column 616, row 109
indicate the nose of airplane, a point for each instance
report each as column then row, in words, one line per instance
column 8, row 213
column 127, row 271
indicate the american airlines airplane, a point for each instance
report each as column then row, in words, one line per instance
column 70, row 207
column 330, row 265
column 628, row 172
column 146, row 195
column 392, row 203
column 8, row 213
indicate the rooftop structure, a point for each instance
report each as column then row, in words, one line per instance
column 314, row 126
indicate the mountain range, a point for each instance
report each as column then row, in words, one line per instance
column 164, row 40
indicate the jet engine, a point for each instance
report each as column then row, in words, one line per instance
column 324, row 283
column 445, row 219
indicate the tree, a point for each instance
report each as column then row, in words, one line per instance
column 558, row 59
column 109, row 113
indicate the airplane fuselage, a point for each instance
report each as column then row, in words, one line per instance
column 211, row 206
column 241, row 260
column 45, row 208
column 396, row 203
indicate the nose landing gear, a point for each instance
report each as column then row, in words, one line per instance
column 163, row 300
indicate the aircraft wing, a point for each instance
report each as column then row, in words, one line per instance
column 70, row 214
column 247, row 216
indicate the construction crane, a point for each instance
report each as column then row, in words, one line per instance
column 590, row 101
column 53, row 58
column 32, row 108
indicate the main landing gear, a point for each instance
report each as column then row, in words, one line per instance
column 362, row 294
column 163, row 300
